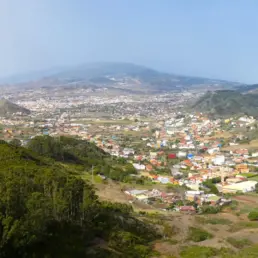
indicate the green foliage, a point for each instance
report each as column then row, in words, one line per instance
column 226, row 103
column 198, row 234
column 168, row 231
column 131, row 244
column 210, row 184
column 197, row 252
column 253, row 215
column 47, row 211
column 15, row 142
column 233, row 205
column 248, row 175
column 67, row 149
column 75, row 151
column 239, row 243
column 207, row 252
column 207, row 209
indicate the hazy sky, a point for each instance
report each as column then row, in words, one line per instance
column 211, row 38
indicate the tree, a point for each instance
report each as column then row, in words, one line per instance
column 210, row 185
column 256, row 188
column 47, row 210
column 198, row 234
column 16, row 142
column 207, row 209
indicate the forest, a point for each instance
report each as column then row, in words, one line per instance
column 47, row 210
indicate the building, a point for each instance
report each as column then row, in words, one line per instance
column 246, row 186
column 187, row 209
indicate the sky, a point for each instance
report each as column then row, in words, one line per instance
column 215, row 38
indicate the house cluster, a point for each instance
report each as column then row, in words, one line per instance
column 201, row 198
column 155, row 198
column 186, row 202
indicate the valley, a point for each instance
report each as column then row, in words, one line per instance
column 181, row 159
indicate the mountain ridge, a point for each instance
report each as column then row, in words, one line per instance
column 226, row 103
column 121, row 72
column 8, row 107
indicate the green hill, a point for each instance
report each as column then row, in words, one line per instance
column 83, row 155
column 47, row 210
column 227, row 103
column 7, row 107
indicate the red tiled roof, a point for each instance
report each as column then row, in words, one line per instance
column 186, row 208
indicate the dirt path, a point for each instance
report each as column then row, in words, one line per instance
column 248, row 199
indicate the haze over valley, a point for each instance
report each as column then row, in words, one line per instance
column 128, row 129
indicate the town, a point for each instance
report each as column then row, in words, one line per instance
column 186, row 160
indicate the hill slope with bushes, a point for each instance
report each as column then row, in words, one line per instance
column 227, row 103
column 83, row 154
column 47, row 211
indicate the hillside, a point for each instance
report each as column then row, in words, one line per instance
column 121, row 74
column 227, row 103
column 47, row 210
column 7, row 107
column 82, row 155
column 253, row 88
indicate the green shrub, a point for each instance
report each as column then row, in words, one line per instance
column 198, row 251
column 253, row 215
column 234, row 204
column 168, row 231
column 206, row 252
column 198, row 234
column 207, row 209
column 239, row 243
column 210, row 184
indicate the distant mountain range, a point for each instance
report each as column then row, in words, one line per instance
column 7, row 107
column 122, row 75
column 227, row 103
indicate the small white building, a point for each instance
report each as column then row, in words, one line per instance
column 181, row 154
column 246, row 186
column 139, row 166
column 219, row 160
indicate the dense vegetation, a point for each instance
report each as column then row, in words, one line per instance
column 227, row 103
column 198, row 234
column 46, row 210
column 83, row 154
column 210, row 186
column 253, row 215
column 195, row 251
